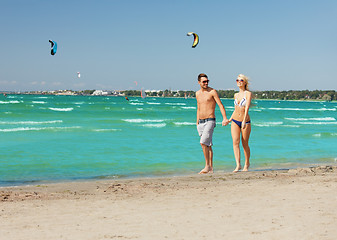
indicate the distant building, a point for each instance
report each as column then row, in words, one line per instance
column 100, row 93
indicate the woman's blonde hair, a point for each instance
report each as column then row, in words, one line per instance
column 246, row 79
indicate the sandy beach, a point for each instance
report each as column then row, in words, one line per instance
column 280, row 204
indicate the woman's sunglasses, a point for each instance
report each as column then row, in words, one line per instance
column 240, row 80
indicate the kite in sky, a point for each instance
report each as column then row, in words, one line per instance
column 196, row 38
column 53, row 47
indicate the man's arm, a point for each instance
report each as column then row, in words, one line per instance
column 198, row 107
column 222, row 108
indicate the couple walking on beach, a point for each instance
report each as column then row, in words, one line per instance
column 207, row 98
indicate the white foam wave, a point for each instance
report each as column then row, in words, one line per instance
column 36, row 129
column 317, row 123
column 176, row 104
column 303, row 109
column 151, row 125
column 153, row 103
column 188, row 107
column 291, row 126
column 143, row 120
column 312, row 119
column 107, row 130
column 8, row 102
column 39, row 102
column 136, row 103
column 184, row 123
column 62, row 109
column 268, row 124
column 31, row 122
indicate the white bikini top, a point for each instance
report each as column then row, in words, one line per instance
column 243, row 101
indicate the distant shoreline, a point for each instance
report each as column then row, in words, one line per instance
column 5, row 94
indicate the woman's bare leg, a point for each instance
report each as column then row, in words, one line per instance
column 236, row 130
column 246, row 149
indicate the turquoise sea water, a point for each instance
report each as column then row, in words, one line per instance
column 60, row 138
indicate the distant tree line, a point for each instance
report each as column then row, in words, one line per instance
column 326, row 95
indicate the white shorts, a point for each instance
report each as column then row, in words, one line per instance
column 205, row 130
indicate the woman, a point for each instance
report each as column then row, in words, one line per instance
column 241, row 122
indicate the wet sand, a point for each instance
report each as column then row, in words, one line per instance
column 280, row 204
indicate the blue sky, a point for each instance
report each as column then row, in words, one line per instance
column 280, row 45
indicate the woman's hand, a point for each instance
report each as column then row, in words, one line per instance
column 225, row 122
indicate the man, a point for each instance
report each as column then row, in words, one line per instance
column 207, row 98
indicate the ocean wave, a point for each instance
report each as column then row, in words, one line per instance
column 107, row 130
column 39, row 102
column 188, row 107
column 176, row 104
column 62, row 109
column 139, row 109
column 268, row 124
column 324, row 134
column 312, row 119
column 184, row 123
column 143, row 120
column 153, row 103
column 132, row 103
column 317, row 123
column 31, row 122
column 152, row 125
column 36, row 129
column 8, row 102
column 303, row 109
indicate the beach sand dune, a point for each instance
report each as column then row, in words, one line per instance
column 280, row 204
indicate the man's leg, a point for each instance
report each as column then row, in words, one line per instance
column 211, row 158
column 208, row 154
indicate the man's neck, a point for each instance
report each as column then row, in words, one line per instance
column 204, row 89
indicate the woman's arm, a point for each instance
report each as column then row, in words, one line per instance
column 235, row 95
column 248, row 99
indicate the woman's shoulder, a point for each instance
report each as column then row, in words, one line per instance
column 248, row 93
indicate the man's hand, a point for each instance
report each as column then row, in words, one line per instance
column 225, row 122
